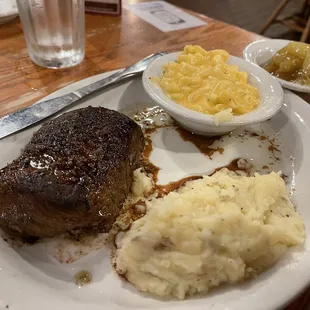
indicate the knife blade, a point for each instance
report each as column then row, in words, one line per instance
column 37, row 112
column 21, row 119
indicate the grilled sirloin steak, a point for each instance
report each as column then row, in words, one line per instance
column 74, row 174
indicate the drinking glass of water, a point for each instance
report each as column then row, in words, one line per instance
column 54, row 31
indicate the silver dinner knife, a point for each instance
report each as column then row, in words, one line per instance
column 37, row 112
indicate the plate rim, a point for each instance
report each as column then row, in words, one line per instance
column 66, row 89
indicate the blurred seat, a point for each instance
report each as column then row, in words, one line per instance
column 299, row 21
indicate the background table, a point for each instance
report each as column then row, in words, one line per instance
column 111, row 43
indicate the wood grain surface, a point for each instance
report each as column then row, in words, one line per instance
column 111, row 43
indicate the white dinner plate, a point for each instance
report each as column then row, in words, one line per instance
column 32, row 279
column 8, row 10
column 259, row 52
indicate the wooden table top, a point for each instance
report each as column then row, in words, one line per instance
column 111, row 43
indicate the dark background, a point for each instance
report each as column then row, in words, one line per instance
column 247, row 14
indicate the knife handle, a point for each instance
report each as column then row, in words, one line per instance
column 101, row 84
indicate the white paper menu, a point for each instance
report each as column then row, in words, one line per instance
column 164, row 16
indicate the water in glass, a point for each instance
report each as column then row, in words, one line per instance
column 54, row 31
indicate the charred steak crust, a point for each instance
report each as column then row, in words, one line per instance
column 74, row 174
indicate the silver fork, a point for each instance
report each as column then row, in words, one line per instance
column 37, row 112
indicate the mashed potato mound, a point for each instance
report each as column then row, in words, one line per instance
column 220, row 229
column 141, row 184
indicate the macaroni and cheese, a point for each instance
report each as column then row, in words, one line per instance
column 203, row 81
